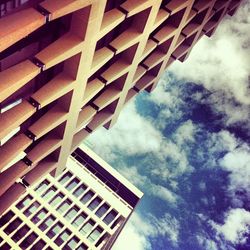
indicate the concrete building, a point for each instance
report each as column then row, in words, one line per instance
column 85, row 207
column 68, row 67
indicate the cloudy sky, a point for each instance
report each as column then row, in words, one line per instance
column 187, row 147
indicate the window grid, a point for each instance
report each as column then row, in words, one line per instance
column 83, row 239
column 84, row 206
column 69, row 195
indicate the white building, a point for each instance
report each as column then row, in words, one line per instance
column 85, row 207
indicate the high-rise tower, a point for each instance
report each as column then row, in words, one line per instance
column 69, row 66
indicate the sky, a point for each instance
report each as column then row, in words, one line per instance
column 187, row 147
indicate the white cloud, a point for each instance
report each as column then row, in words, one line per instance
column 132, row 134
column 168, row 226
column 143, row 181
column 237, row 162
column 205, row 243
column 133, row 236
column 222, row 62
column 163, row 193
column 139, row 228
column 222, row 65
column 185, row 133
column 236, row 226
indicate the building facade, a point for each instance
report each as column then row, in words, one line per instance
column 68, row 67
column 83, row 208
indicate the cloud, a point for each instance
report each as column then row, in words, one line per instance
column 185, row 133
column 237, row 162
column 167, row 226
column 141, row 228
column 133, row 134
column 205, row 243
column 236, row 226
column 133, row 236
column 148, row 186
column 222, row 65
column 222, row 61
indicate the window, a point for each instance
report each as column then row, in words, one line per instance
column 47, row 223
column 20, row 233
column 56, row 200
column 103, row 238
column 65, row 178
column 87, row 227
column 79, row 191
column 6, row 218
column 39, row 245
column 95, row 234
column 71, row 244
column 64, row 206
column 28, row 241
column 6, row 246
column 79, row 220
column 102, row 210
column 118, row 221
column 32, row 208
column 42, row 186
column 72, row 184
column 62, row 237
column 13, row 226
column 110, row 217
column 39, row 216
column 49, row 193
column 72, row 213
column 55, row 230
column 94, row 203
column 82, row 247
column 87, row 197
column 24, row 202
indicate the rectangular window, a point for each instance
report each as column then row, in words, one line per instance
column 42, row 186
column 87, row 227
column 29, row 241
column 110, row 217
column 65, row 178
column 102, row 210
column 6, row 218
column 64, row 206
column 32, row 209
column 20, row 233
column 80, row 190
column 57, row 199
column 87, row 197
column 95, row 234
column 62, row 237
column 49, row 193
column 72, row 184
column 55, row 230
column 13, row 226
column 82, row 247
column 72, row 213
column 39, row 245
column 47, row 223
column 24, row 202
column 6, row 246
column 94, row 203
column 39, row 216
column 78, row 221
column 71, row 244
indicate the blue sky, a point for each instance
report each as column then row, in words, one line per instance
column 187, row 147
